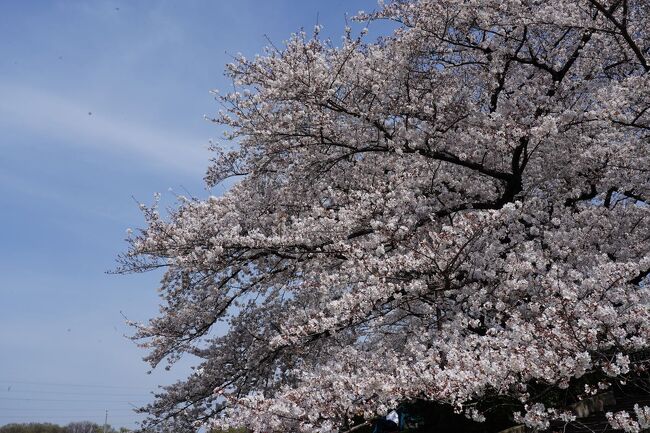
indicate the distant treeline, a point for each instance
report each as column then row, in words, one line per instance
column 80, row 427
column 73, row 427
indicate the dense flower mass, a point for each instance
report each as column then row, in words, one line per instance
column 455, row 212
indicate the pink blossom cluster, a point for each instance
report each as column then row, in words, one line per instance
column 450, row 213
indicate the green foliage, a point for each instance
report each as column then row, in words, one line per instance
column 32, row 428
column 74, row 427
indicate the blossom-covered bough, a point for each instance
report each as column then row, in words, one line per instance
column 457, row 212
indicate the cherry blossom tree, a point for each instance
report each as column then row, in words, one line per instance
column 455, row 213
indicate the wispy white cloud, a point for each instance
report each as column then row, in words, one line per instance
column 74, row 122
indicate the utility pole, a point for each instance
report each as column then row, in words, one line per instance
column 105, row 420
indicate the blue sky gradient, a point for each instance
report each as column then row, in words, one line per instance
column 102, row 101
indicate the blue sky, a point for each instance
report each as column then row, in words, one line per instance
column 102, row 101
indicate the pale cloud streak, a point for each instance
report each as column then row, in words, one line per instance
column 75, row 123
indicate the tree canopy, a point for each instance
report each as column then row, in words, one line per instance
column 456, row 212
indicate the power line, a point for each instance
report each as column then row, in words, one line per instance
column 72, row 393
column 65, row 400
column 99, row 414
column 113, row 423
column 24, row 382
column 59, row 410
column 83, row 417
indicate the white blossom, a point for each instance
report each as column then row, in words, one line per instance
column 459, row 210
